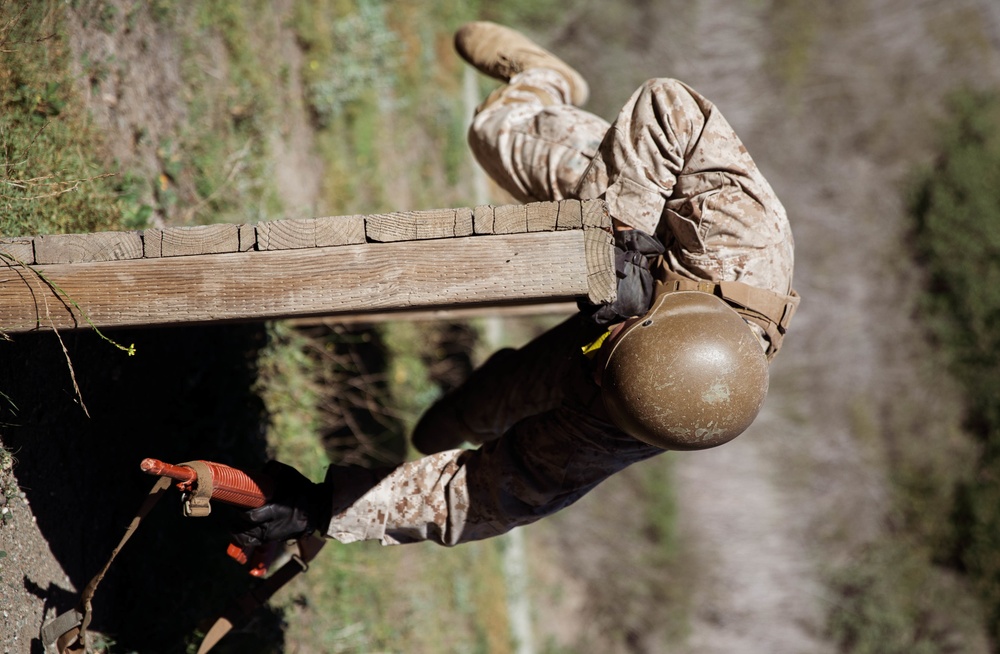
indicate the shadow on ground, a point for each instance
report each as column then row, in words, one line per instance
column 186, row 394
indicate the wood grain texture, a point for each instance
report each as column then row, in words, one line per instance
column 569, row 215
column 601, row 279
column 418, row 225
column 510, row 219
column 248, row 238
column 20, row 249
column 542, row 216
column 599, row 244
column 152, row 243
column 482, row 219
column 201, row 239
column 75, row 248
column 594, row 213
column 344, row 280
column 297, row 233
column 339, row 230
column 450, row 314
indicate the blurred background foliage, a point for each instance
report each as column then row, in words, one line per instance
column 956, row 207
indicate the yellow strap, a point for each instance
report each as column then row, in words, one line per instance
column 591, row 348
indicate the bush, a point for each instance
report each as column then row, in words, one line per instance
column 892, row 602
column 51, row 178
column 957, row 212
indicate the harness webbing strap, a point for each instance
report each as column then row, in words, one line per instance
column 771, row 311
column 308, row 547
column 198, row 501
column 68, row 631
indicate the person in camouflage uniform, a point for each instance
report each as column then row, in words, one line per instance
column 689, row 206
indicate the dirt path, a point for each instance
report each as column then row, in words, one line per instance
column 779, row 507
column 760, row 593
column 759, row 590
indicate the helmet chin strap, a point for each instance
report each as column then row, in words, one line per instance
column 769, row 311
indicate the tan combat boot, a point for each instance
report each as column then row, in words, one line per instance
column 501, row 52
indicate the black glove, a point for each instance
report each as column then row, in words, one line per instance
column 297, row 506
column 634, row 250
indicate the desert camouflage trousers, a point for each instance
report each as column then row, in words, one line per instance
column 546, row 441
column 670, row 165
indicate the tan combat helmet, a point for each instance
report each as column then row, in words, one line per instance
column 689, row 375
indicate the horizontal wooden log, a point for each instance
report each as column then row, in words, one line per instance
column 298, row 233
column 344, row 280
column 452, row 314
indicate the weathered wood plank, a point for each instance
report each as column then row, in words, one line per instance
column 594, row 213
column 296, row 233
column 569, row 215
column 482, row 219
column 602, row 286
column 510, row 219
column 200, row 239
column 455, row 313
column 344, row 280
column 288, row 234
column 463, row 222
column 340, row 230
column 599, row 245
column 152, row 243
column 20, row 249
column 542, row 216
column 248, row 237
column 418, row 225
column 74, row 248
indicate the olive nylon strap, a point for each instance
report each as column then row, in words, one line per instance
column 771, row 311
column 69, row 630
column 198, row 501
column 308, row 547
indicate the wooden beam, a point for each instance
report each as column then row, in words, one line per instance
column 18, row 249
column 75, row 248
column 344, row 280
column 453, row 313
column 414, row 226
column 412, row 261
column 296, row 233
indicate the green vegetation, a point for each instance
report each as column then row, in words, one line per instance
column 386, row 105
column 957, row 212
column 909, row 591
column 51, row 177
column 892, row 601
